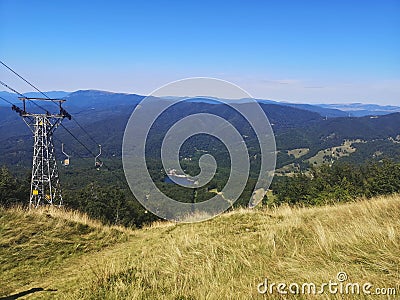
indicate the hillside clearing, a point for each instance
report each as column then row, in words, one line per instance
column 297, row 153
column 333, row 153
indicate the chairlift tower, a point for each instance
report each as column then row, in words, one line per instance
column 45, row 183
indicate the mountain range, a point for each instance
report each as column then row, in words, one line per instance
column 304, row 133
column 85, row 98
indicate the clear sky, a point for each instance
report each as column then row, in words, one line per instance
column 311, row 51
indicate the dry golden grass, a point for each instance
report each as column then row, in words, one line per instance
column 64, row 214
column 33, row 243
column 225, row 258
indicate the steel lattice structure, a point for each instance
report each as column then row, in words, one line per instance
column 45, row 183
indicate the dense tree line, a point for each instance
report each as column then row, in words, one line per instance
column 113, row 203
column 340, row 182
column 13, row 191
column 109, row 204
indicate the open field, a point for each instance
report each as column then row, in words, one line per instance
column 71, row 257
column 298, row 152
column 331, row 154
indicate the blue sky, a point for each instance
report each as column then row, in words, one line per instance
column 297, row 51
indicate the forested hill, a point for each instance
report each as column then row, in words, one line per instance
column 104, row 115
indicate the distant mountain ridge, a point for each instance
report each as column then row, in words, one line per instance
column 360, row 109
column 94, row 98
column 98, row 98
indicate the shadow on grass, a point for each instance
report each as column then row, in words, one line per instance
column 24, row 293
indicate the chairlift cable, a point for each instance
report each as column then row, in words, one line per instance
column 38, row 90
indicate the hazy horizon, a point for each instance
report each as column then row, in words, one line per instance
column 133, row 93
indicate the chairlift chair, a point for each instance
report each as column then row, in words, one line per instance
column 97, row 162
column 66, row 161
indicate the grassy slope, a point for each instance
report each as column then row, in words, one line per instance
column 33, row 244
column 223, row 258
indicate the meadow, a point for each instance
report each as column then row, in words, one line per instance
column 63, row 254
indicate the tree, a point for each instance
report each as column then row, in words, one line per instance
column 12, row 190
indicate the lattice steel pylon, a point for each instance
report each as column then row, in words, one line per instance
column 45, row 182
